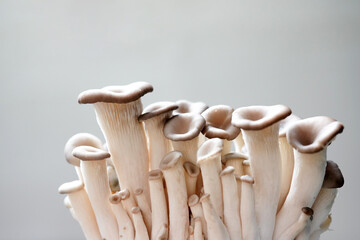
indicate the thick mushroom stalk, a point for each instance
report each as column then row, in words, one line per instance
column 144, row 207
column 183, row 130
column 231, row 203
column 192, row 172
column 218, row 125
column 80, row 139
column 154, row 117
column 209, row 160
column 260, row 128
column 287, row 158
column 324, row 201
column 249, row 226
column 82, row 208
column 139, row 225
column 197, row 212
column 117, row 110
column 93, row 168
column 198, row 235
column 125, row 225
column 172, row 168
column 159, row 212
column 309, row 138
column 215, row 227
column 235, row 160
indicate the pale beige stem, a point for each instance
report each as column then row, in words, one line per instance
column 231, row 203
column 163, row 233
column 239, row 143
column 192, row 172
column 126, row 228
column 247, row 167
column 198, row 235
column 215, row 227
column 127, row 201
column 159, row 213
column 176, row 188
column 187, row 148
column 145, row 207
column 139, row 225
column 294, row 229
column 197, row 212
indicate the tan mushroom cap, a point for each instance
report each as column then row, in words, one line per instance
column 155, row 174
column 170, row 160
column 184, row 127
column 190, row 107
column 116, row 94
column 333, row 176
column 80, row 139
column 191, row 169
column 135, row 210
column 218, row 123
column 193, row 200
column 209, row 149
column 71, row 187
column 232, row 156
column 259, row 117
column 285, row 123
column 227, row 170
column 313, row 134
column 157, row 109
column 88, row 153
column 247, row 179
column 115, row 198
column 124, row 194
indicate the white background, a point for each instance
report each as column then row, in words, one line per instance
column 304, row 54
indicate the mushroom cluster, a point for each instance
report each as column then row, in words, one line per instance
column 183, row 170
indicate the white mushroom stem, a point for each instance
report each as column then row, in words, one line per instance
column 172, row 168
column 144, row 206
column 227, row 145
column 159, row 212
column 191, row 175
column 198, row 235
column 322, row 207
column 126, row 141
column 250, row 229
column 187, row 148
column 78, row 173
column 139, row 225
column 308, row 175
column 191, row 232
column 264, row 154
column 126, row 228
column 298, row 226
column 239, row 143
column 287, row 166
column 97, row 187
column 209, row 160
column 67, row 204
column 323, row 228
column 215, row 227
column 197, row 212
column 247, row 167
column 82, row 208
column 163, row 233
column 231, row 203
column 127, row 201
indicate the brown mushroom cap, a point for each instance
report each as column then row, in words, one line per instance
column 313, row 134
column 88, row 153
column 71, row 187
column 218, row 123
column 190, row 107
column 191, row 169
column 308, row 211
column 157, row 109
column 259, row 117
column 285, row 123
column 333, row 176
column 155, row 174
column 80, row 139
column 184, row 127
column 170, row 160
column 233, row 155
column 116, row 94
column 209, row 149
column 247, row 179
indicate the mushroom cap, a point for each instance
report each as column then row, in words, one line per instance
column 247, row 179
column 191, row 169
column 227, row 170
column 71, row 187
column 193, row 200
column 138, row 191
column 116, row 94
column 209, row 149
column 308, row 211
column 155, row 174
column 218, row 123
column 190, row 107
column 313, row 134
column 124, row 194
column 285, row 123
column 157, row 109
column 233, row 155
column 135, row 210
column 333, row 176
column 259, row 117
column 88, row 153
column 115, row 198
column 80, row 139
column 170, row 160
column 184, row 127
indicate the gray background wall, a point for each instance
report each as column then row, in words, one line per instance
column 304, row 54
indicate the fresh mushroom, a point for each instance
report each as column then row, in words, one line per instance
column 260, row 129
column 197, row 212
column 189, row 107
column 141, row 232
column 93, row 168
column 144, row 207
column 154, row 117
column 192, row 172
column 82, row 208
column 309, row 138
column 117, row 110
column 198, row 235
